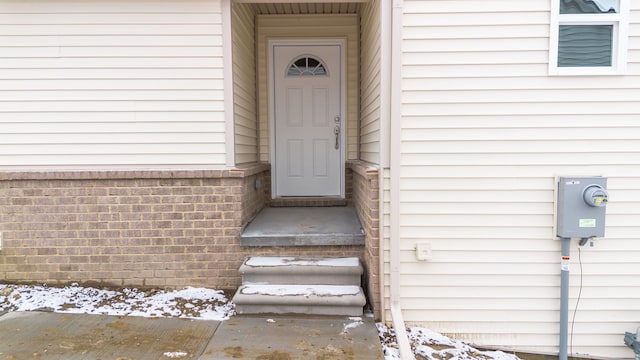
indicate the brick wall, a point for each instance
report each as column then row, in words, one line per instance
column 149, row 228
column 366, row 202
column 127, row 228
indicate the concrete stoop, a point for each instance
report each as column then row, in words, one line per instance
column 291, row 285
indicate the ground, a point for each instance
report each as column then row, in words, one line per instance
column 206, row 304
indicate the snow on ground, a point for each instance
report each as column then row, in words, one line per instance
column 434, row 346
column 355, row 322
column 207, row 304
column 195, row 303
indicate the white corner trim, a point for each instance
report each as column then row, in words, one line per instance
column 385, row 82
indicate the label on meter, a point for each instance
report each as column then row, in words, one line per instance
column 564, row 263
column 587, row 223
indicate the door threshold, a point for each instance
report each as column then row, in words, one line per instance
column 308, row 201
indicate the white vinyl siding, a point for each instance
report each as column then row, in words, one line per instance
column 244, row 84
column 111, row 84
column 484, row 131
column 370, row 83
column 310, row 27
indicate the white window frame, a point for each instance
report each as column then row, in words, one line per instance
column 620, row 22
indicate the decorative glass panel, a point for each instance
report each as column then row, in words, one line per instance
column 589, row 6
column 585, row 45
column 307, row 66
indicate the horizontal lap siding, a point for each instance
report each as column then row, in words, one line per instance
column 111, row 84
column 244, row 87
column 484, row 133
column 370, row 84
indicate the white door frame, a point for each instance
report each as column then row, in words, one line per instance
column 272, row 103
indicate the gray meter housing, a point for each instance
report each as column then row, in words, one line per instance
column 581, row 209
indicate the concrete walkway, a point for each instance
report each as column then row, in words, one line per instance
column 44, row 335
column 284, row 338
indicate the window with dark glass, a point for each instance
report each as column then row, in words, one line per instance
column 589, row 6
column 582, row 44
column 585, row 45
column 589, row 34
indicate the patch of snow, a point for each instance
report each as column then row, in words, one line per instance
column 355, row 322
column 290, row 260
column 175, row 354
column 431, row 345
column 29, row 298
column 197, row 303
column 300, row 290
column 388, row 342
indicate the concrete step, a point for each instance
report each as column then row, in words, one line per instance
column 300, row 285
column 300, row 299
column 304, row 226
column 301, row 271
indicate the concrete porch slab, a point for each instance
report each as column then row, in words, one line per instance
column 304, row 226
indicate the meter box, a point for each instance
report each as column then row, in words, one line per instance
column 581, row 209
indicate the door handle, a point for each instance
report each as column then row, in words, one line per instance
column 336, row 132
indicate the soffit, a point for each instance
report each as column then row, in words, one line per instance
column 295, row 8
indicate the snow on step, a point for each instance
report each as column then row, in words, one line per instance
column 302, row 285
column 301, row 271
column 300, row 299
column 301, row 290
column 293, row 261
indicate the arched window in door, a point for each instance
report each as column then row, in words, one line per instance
column 307, row 66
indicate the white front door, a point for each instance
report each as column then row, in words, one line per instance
column 308, row 128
